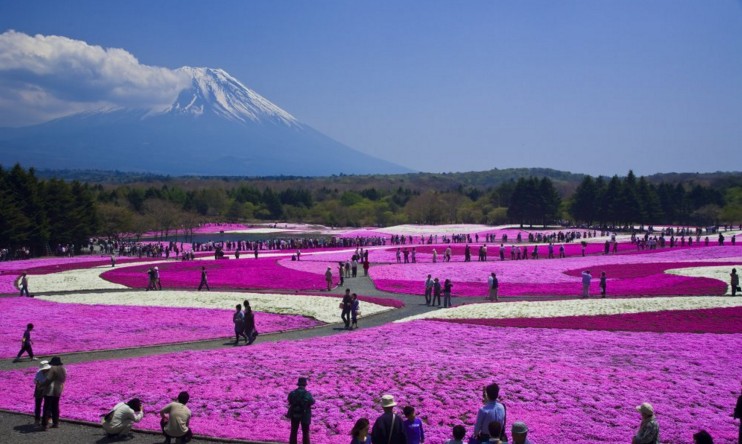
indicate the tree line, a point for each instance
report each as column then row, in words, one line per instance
column 40, row 213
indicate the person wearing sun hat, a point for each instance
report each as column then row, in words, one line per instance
column 53, row 387
column 38, row 393
column 389, row 427
column 649, row 429
column 519, row 432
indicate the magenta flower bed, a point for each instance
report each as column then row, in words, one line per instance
column 628, row 274
column 64, row 328
column 581, row 386
column 247, row 273
column 712, row 320
column 11, row 271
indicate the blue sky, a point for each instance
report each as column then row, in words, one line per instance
column 597, row 87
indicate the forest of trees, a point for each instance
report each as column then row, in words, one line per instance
column 41, row 213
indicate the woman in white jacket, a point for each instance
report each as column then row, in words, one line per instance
column 118, row 421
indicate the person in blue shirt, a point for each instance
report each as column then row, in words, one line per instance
column 490, row 411
column 413, row 426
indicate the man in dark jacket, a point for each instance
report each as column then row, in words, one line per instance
column 389, row 427
column 300, row 412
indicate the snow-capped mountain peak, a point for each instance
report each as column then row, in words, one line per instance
column 215, row 91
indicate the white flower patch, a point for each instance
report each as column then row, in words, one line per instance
column 78, row 280
column 324, row 309
column 720, row 273
column 578, row 307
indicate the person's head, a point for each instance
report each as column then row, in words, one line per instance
column 56, row 360
column 602, row 273
column 246, row 303
column 135, row 404
column 492, row 391
column 238, row 307
column 354, row 296
column 29, row 326
column 347, row 291
column 646, row 410
column 519, row 430
column 24, row 275
column 429, row 276
column 459, row 432
column 734, row 271
column 409, row 412
column 435, row 280
column 183, row 397
column 388, row 403
column 302, row 382
column 495, row 429
column 361, row 426
column 702, row 437
column 203, row 268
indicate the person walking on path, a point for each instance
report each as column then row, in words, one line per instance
column 117, row 423
column 346, row 305
column 389, row 427
column 26, row 344
column 113, row 260
column 38, row 394
column 493, row 285
column 175, row 420
column 734, row 281
column 447, row 293
column 24, row 285
column 436, row 292
column 603, row 283
column 738, row 415
column 251, row 332
column 428, row 290
column 300, row 412
column 204, row 281
column 238, row 318
column 649, row 429
column 328, row 278
column 354, row 311
column 586, row 278
column 53, row 388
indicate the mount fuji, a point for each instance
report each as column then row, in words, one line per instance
column 216, row 126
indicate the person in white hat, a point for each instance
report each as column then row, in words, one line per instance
column 389, row 427
column 38, row 393
column 649, row 429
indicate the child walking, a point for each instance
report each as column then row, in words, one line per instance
column 26, row 344
column 354, row 311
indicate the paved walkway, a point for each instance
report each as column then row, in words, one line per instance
column 19, row 428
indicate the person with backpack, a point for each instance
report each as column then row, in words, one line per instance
column 489, row 412
column 300, row 411
column 118, row 422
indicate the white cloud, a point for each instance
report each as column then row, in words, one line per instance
column 43, row 77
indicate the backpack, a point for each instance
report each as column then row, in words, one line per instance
column 297, row 407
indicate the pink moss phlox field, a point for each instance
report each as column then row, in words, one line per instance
column 561, row 276
column 63, row 328
column 712, row 320
column 245, row 273
column 581, row 386
column 10, row 271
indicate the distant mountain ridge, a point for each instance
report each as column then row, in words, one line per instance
column 218, row 126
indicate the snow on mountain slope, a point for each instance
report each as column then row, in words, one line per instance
column 214, row 90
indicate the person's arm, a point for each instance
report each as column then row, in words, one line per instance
column 422, row 432
column 738, row 408
column 480, row 421
column 165, row 411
